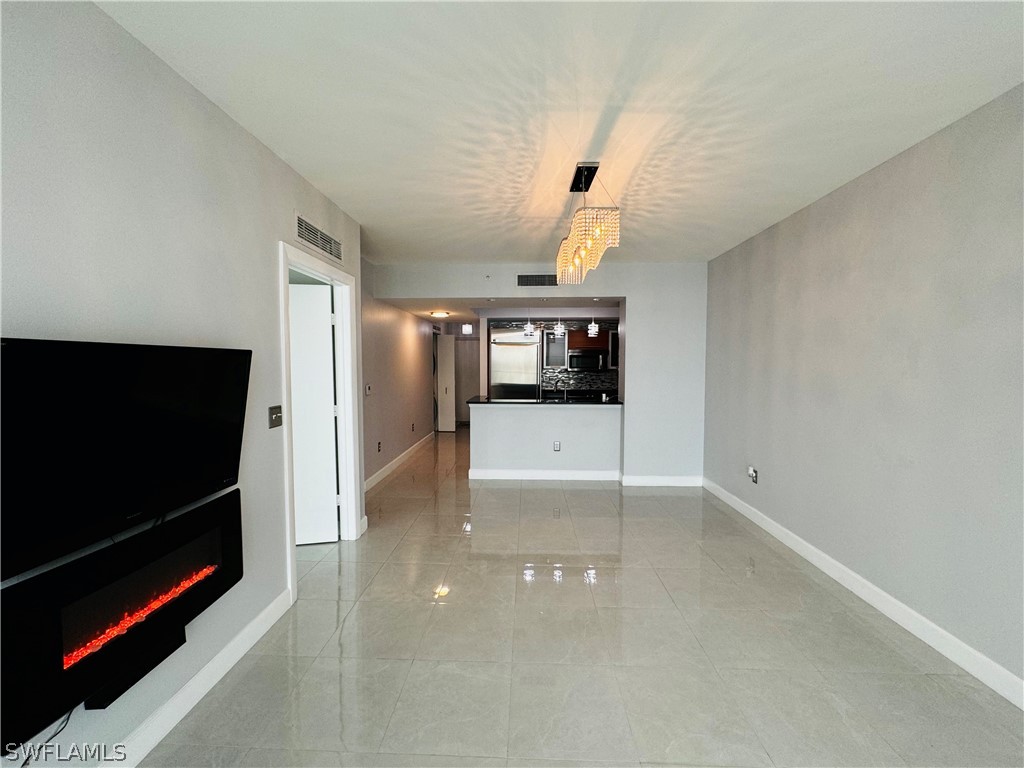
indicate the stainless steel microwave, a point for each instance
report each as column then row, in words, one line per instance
column 586, row 360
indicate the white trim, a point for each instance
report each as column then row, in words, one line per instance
column 991, row 673
column 353, row 515
column 675, row 481
column 350, row 439
column 544, row 474
column 377, row 477
column 154, row 728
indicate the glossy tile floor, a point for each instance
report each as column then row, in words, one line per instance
column 528, row 624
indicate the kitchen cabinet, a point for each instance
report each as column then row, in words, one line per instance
column 556, row 351
column 580, row 340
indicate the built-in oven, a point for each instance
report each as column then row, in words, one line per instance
column 587, row 360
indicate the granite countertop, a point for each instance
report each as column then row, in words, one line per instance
column 588, row 400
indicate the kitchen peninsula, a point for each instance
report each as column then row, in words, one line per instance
column 552, row 411
column 545, row 439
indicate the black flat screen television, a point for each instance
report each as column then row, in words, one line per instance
column 96, row 438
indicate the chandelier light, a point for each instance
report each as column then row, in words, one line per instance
column 592, row 231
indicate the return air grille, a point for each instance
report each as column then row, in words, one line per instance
column 535, row 280
column 319, row 239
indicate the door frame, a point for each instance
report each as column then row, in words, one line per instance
column 352, row 518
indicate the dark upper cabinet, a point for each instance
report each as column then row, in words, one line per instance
column 580, row 340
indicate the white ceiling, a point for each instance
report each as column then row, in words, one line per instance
column 450, row 131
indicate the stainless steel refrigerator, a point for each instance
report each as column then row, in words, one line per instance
column 515, row 365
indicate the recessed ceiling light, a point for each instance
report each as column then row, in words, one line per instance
column 440, row 314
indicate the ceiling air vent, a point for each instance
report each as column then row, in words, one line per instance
column 319, row 239
column 535, row 280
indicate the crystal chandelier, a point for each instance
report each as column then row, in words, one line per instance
column 592, row 231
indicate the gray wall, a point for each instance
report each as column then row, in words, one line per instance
column 135, row 210
column 865, row 355
column 398, row 365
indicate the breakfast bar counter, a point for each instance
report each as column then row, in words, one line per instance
column 549, row 439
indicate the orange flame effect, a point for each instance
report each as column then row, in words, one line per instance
column 131, row 619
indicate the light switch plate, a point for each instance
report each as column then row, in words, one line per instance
column 275, row 417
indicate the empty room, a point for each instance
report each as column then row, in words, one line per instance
column 512, row 384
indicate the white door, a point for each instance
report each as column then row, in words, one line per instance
column 312, row 417
column 445, row 383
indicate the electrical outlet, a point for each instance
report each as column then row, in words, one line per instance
column 752, row 474
column 378, row 446
column 558, row 445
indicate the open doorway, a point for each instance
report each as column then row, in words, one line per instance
column 323, row 460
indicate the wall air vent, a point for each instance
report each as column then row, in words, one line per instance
column 532, row 281
column 319, row 239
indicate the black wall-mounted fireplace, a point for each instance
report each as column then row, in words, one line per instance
column 100, row 580
column 90, row 629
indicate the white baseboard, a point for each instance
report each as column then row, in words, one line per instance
column 154, row 728
column 676, row 481
column 391, row 466
column 991, row 673
column 544, row 474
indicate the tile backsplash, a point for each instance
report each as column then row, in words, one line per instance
column 562, row 378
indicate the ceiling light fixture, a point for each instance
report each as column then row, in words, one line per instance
column 529, row 329
column 592, row 231
column 440, row 314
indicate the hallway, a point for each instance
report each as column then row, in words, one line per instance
column 525, row 623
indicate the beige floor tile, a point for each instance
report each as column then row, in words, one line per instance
column 568, row 712
column 452, row 708
column 380, row 630
column 682, row 714
column 929, row 723
column 304, row 629
column 802, row 720
column 570, row 624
